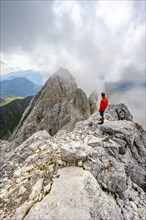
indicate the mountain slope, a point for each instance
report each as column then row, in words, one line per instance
column 18, row 87
column 7, row 99
column 11, row 114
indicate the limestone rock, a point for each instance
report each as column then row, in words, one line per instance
column 36, row 190
column 119, row 112
column 66, row 113
column 113, row 177
column 22, row 210
column 137, row 174
column 75, row 195
column 75, row 151
column 135, row 148
column 95, row 141
column 59, row 104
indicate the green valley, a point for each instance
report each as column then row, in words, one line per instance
column 7, row 99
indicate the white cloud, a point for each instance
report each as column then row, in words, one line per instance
column 70, row 7
column 95, row 40
column 116, row 14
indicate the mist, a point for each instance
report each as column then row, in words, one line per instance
column 134, row 99
column 97, row 41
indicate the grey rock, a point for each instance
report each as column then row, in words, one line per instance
column 74, row 151
column 135, row 149
column 58, row 105
column 113, row 177
column 79, row 198
column 36, row 190
column 133, row 205
column 22, row 210
column 95, row 142
column 137, row 174
column 120, row 112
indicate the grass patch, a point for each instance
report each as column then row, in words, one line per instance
column 8, row 99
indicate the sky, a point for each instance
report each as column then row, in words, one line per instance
column 97, row 41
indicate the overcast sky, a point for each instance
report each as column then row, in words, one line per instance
column 95, row 40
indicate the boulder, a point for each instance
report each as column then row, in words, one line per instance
column 119, row 112
column 75, row 151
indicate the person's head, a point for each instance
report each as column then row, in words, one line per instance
column 103, row 94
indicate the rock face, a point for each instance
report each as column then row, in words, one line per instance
column 59, row 104
column 77, row 170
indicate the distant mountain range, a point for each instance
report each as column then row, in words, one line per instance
column 122, row 86
column 18, row 87
column 34, row 76
column 11, row 114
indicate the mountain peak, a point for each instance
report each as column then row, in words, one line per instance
column 59, row 104
column 62, row 70
column 65, row 78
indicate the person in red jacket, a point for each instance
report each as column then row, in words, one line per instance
column 103, row 105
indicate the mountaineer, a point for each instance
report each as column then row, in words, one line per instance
column 103, row 105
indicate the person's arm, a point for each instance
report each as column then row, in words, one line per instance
column 100, row 105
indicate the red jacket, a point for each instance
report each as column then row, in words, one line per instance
column 103, row 104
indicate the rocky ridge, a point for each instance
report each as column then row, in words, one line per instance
column 61, row 164
column 92, row 172
column 59, row 105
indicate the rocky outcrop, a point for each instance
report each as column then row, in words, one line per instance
column 59, row 104
column 119, row 112
column 80, row 184
column 92, row 172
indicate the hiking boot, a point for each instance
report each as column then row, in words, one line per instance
column 102, row 121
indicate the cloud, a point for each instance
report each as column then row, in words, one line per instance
column 98, row 41
column 135, row 100
column 23, row 22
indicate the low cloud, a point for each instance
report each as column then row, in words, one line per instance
column 97, row 41
column 135, row 100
